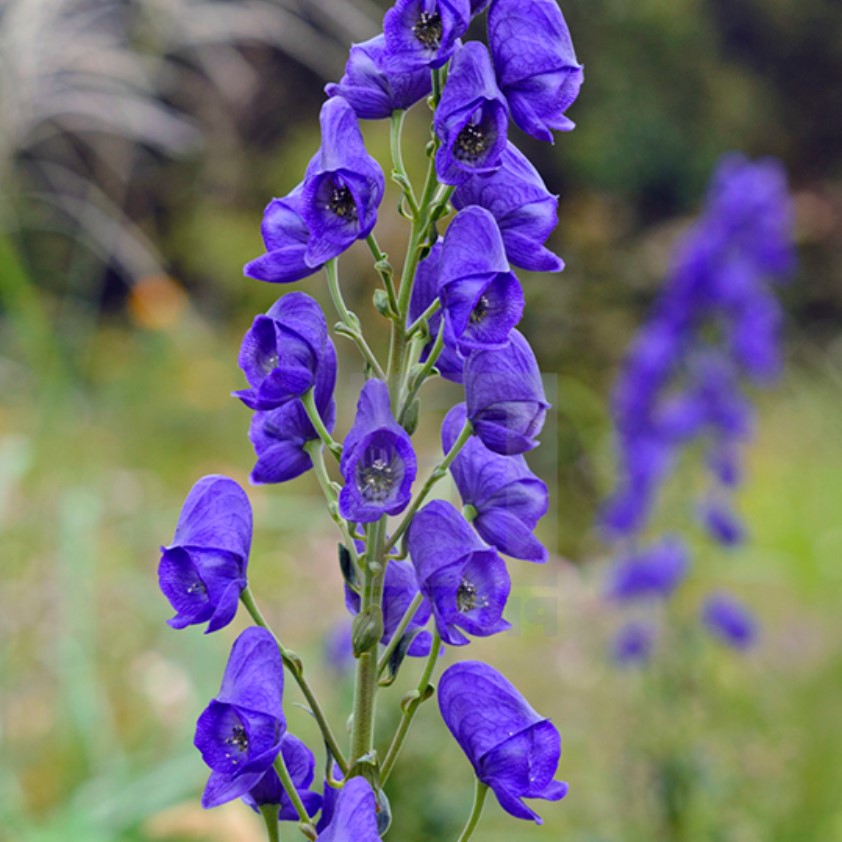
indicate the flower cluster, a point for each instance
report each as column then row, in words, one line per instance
column 714, row 330
column 436, row 575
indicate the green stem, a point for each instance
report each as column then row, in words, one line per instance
column 424, row 317
column 399, row 632
column 365, row 689
column 419, row 696
column 350, row 326
column 384, row 269
column 283, row 773
column 309, row 402
column 480, row 791
column 438, row 473
column 417, row 381
column 399, row 175
column 293, row 663
column 270, row 818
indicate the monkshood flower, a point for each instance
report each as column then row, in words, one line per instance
column 203, row 571
column 240, row 732
column 633, row 644
column 342, row 188
column 472, row 119
column 424, row 33
column 513, row 749
column 353, row 815
column 505, row 396
column 283, row 351
column 729, row 621
column 378, row 462
column 464, row 579
column 400, row 587
column 286, row 235
column 507, row 498
column 526, row 212
column 722, row 524
column 424, row 293
column 653, row 573
column 372, row 89
column 535, row 63
column 279, row 435
column 481, row 297
column 301, row 766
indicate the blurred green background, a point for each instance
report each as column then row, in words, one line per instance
column 139, row 142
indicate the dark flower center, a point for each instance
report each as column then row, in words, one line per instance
column 375, row 479
column 428, row 30
column 480, row 311
column 468, row 598
column 239, row 739
column 342, row 203
column 471, row 143
column 197, row 587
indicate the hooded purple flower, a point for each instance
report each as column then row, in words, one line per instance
column 480, row 295
column 373, row 90
column 722, row 524
column 282, row 352
column 513, row 749
column 378, row 462
column 653, row 573
column 279, row 435
column 342, row 187
column 286, row 235
column 633, row 644
column 729, row 621
column 472, row 119
column 399, row 589
column 239, row 733
column 424, row 292
column 526, row 212
column 505, row 396
column 465, row 580
column 508, row 498
column 301, row 766
column 424, row 33
column 535, row 64
column 353, row 816
column 203, row 571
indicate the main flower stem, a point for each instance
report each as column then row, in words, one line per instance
column 438, row 473
column 293, row 663
column 350, row 324
column 410, row 706
column 365, row 690
column 283, row 773
column 480, row 791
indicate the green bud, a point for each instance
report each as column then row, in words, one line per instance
column 381, row 303
column 367, row 630
column 410, row 415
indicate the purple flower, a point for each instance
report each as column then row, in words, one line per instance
column 338, row 648
column 203, row 571
column 283, row 351
column 424, row 293
column 513, row 749
column 479, row 6
column 465, row 580
column 353, row 815
column 472, row 119
column 400, row 587
column 505, row 396
column 343, row 186
column 722, row 524
column 526, row 212
column 374, row 90
column 633, row 644
column 279, row 435
column 286, row 236
column 508, row 498
column 239, row 733
column 729, row 621
column 378, row 462
column 480, row 295
column 301, row 766
column 424, row 33
column 535, row 64
column 652, row 573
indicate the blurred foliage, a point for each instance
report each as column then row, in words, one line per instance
column 121, row 306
